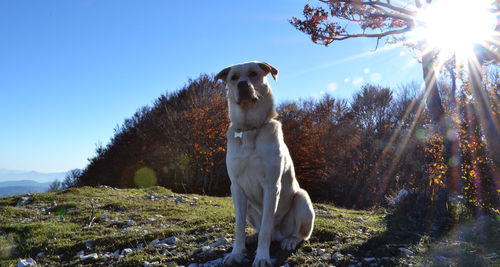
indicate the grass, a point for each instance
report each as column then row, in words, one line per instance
column 60, row 223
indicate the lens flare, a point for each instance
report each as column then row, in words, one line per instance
column 145, row 177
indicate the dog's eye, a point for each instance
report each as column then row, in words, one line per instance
column 252, row 74
column 234, row 77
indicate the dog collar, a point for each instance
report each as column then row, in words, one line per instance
column 238, row 133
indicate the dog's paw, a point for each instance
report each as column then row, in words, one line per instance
column 262, row 261
column 289, row 243
column 233, row 258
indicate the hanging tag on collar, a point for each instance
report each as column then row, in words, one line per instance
column 238, row 134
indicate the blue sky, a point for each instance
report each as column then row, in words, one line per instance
column 71, row 71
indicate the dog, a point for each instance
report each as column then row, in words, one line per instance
column 264, row 189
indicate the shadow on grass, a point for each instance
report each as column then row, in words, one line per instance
column 411, row 223
column 414, row 225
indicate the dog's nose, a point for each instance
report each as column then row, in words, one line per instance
column 244, row 89
column 243, row 85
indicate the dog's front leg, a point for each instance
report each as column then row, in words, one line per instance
column 240, row 209
column 271, row 194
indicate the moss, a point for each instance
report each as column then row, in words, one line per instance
column 76, row 217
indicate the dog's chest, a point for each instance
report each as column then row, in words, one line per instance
column 244, row 160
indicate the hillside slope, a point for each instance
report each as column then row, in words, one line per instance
column 140, row 227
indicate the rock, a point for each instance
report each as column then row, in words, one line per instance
column 326, row 256
column 80, row 253
column 358, row 219
column 338, row 246
column 205, row 237
column 171, row 240
column 127, row 251
column 92, row 256
column 406, row 251
column 441, row 258
column 145, row 264
column 195, row 199
column 116, row 254
column 322, row 251
column 204, row 249
column 193, row 265
column 161, row 245
column 370, row 259
column 108, row 255
column 130, row 222
column 104, row 217
column 401, row 195
column 24, row 200
column 89, row 244
column 491, row 256
column 337, row 256
column 27, row 262
column 155, row 241
column 179, row 200
column 221, row 242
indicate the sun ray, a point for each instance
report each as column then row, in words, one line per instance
column 347, row 59
column 386, row 176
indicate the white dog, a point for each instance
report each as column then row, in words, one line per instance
column 263, row 186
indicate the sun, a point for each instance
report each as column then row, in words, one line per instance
column 454, row 27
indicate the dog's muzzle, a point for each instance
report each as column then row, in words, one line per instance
column 246, row 92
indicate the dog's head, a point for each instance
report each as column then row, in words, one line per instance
column 247, row 82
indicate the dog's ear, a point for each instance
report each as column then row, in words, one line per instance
column 269, row 69
column 222, row 75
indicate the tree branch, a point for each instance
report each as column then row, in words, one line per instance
column 369, row 35
column 373, row 4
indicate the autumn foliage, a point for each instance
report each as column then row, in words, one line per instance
column 353, row 153
column 180, row 140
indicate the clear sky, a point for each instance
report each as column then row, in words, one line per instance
column 71, row 71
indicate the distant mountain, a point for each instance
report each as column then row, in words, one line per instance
column 13, row 182
column 9, row 188
column 14, row 175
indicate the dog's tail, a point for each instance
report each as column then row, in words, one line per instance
column 307, row 213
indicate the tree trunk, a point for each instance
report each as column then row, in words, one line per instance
column 436, row 111
column 489, row 124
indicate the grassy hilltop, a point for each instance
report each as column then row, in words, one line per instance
column 155, row 227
